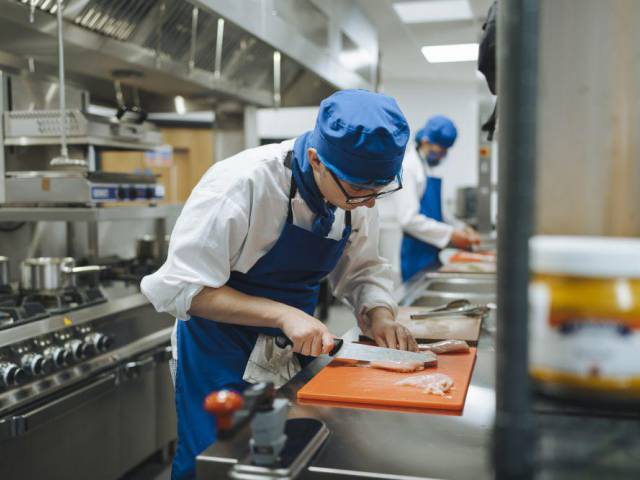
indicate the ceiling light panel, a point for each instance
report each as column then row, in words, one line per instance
column 433, row 11
column 461, row 52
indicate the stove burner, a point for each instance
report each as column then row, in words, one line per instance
column 67, row 300
column 22, row 308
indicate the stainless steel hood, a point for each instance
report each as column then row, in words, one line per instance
column 206, row 51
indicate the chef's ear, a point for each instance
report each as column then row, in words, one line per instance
column 314, row 160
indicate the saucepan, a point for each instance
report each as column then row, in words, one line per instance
column 52, row 273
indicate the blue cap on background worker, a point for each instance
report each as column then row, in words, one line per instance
column 418, row 207
column 435, row 138
column 255, row 238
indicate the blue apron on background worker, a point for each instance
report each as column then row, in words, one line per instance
column 256, row 236
column 418, row 207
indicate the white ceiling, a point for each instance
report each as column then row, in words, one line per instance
column 400, row 43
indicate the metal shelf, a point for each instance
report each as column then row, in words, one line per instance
column 84, row 140
column 86, row 214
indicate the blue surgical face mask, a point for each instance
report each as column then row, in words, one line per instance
column 433, row 159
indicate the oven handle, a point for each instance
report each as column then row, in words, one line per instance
column 134, row 368
column 17, row 425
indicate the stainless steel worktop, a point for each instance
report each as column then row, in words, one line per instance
column 573, row 441
column 383, row 444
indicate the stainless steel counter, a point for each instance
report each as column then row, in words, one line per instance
column 573, row 441
column 382, row 444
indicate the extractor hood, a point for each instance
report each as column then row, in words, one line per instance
column 260, row 52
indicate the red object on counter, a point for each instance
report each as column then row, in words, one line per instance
column 223, row 405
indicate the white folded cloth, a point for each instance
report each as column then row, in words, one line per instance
column 270, row 363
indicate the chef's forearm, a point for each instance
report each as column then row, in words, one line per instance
column 228, row 305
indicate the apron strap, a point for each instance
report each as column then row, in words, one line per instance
column 292, row 191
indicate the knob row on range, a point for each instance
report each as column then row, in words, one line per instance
column 35, row 364
column 132, row 193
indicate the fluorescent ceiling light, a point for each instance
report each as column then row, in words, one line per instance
column 435, row 11
column 462, row 52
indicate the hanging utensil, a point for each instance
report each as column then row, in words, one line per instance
column 63, row 160
column 468, row 310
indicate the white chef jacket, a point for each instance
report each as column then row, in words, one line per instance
column 400, row 214
column 233, row 217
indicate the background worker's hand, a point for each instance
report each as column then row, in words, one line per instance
column 465, row 239
column 309, row 335
column 388, row 333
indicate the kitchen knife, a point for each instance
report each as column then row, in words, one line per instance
column 367, row 353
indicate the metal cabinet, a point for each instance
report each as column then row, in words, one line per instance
column 137, row 411
column 165, row 401
column 74, row 435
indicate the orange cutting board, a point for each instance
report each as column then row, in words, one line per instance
column 370, row 386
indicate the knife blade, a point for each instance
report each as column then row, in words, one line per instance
column 368, row 353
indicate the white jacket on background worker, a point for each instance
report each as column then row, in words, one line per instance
column 400, row 214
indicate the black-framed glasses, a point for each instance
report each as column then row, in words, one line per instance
column 358, row 199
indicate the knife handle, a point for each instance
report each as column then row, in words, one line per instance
column 283, row 341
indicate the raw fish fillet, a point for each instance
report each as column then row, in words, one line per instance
column 446, row 346
column 403, row 367
column 434, row 383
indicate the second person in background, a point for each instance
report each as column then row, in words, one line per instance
column 418, row 207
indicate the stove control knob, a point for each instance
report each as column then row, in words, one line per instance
column 11, row 374
column 79, row 350
column 100, row 341
column 60, row 357
column 36, row 364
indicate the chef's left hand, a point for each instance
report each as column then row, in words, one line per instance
column 388, row 333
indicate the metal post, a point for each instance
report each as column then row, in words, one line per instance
column 194, row 38
column 4, row 105
column 217, row 70
column 513, row 445
column 161, row 233
column 71, row 235
column 277, row 97
column 483, row 194
column 93, row 246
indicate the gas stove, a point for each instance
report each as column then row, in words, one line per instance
column 17, row 308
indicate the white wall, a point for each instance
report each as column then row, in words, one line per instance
column 419, row 100
column 285, row 122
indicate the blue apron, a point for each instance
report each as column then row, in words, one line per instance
column 415, row 254
column 213, row 356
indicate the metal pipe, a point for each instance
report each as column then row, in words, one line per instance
column 194, row 38
column 277, row 61
column 218, row 60
column 63, row 160
column 513, row 441
column 64, row 152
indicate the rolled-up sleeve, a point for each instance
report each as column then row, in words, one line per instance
column 206, row 240
column 362, row 278
column 414, row 223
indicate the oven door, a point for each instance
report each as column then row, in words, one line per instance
column 73, row 435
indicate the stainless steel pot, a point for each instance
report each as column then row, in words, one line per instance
column 52, row 273
column 5, row 276
column 146, row 247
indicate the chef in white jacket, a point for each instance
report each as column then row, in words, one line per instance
column 257, row 235
column 417, row 210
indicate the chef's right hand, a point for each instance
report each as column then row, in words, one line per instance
column 309, row 335
column 464, row 239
